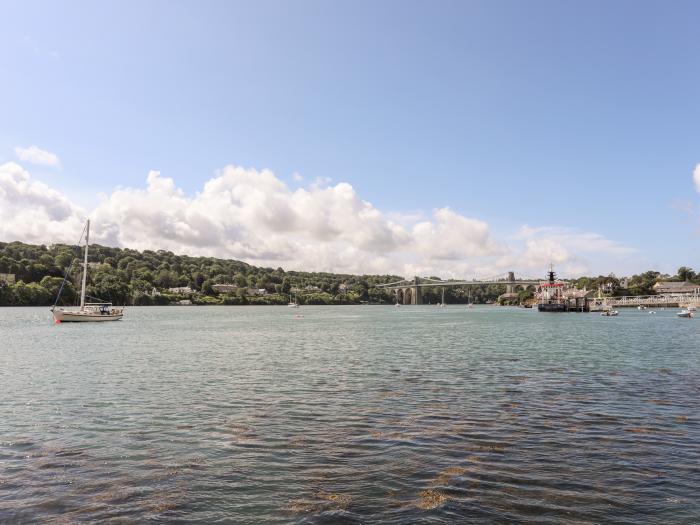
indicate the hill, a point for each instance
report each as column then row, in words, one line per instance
column 125, row 276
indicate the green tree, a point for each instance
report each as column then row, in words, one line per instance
column 207, row 287
column 53, row 284
column 286, row 285
column 686, row 274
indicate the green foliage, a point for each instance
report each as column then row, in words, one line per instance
column 125, row 276
column 686, row 274
column 477, row 294
column 52, row 286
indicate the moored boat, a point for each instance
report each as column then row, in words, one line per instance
column 551, row 297
column 88, row 312
column 686, row 313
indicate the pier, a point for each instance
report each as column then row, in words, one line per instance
column 661, row 300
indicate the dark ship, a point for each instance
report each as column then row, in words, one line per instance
column 551, row 297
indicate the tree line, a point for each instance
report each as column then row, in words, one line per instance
column 130, row 277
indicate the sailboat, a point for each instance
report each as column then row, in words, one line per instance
column 292, row 304
column 88, row 311
column 470, row 304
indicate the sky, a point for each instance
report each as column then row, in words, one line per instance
column 454, row 139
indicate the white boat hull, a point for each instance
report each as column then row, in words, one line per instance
column 67, row 316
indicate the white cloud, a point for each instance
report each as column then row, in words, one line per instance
column 450, row 236
column 30, row 211
column 35, row 155
column 696, row 177
column 566, row 248
column 254, row 216
column 297, row 177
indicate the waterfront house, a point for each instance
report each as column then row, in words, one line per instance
column 676, row 287
column 256, row 291
column 7, row 279
column 224, row 288
column 181, row 290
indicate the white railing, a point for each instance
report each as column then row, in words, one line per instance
column 677, row 299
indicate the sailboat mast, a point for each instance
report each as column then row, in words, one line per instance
column 85, row 266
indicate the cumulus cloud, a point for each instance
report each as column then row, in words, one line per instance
column 30, row 211
column 252, row 215
column 451, row 236
column 696, row 177
column 566, row 248
column 35, row 155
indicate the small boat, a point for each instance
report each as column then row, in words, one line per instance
column 397, row 305
column 96, row 312
column 686, row 313
column 641, row 307
column 292, row 303
column 609, row 313
column 88, row 312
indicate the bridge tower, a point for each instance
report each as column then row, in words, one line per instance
column 416, row 295
column 510, row 288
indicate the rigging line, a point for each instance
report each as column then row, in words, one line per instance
column 97, row 299
column 65, row 277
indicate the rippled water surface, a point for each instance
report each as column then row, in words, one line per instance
column 361, row 414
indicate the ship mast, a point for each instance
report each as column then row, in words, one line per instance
column 85, row 266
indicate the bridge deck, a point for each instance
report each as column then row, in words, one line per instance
column 409, row 284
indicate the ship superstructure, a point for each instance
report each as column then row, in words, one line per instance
column 551, row 294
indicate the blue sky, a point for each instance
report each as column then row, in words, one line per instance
column 571, row 118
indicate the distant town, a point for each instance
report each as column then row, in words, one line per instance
column 31, row 275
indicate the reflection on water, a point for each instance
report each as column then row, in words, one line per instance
column 351, row 415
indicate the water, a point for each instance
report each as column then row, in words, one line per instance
column 360, row 414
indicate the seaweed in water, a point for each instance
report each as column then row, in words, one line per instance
column 446, row 475
column 430, row 499
column 323, row 501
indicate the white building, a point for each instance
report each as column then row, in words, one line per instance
column 683, row 287
column 181, row 290
column 225, row 288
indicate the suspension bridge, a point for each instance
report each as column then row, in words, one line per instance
column 409, row 291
